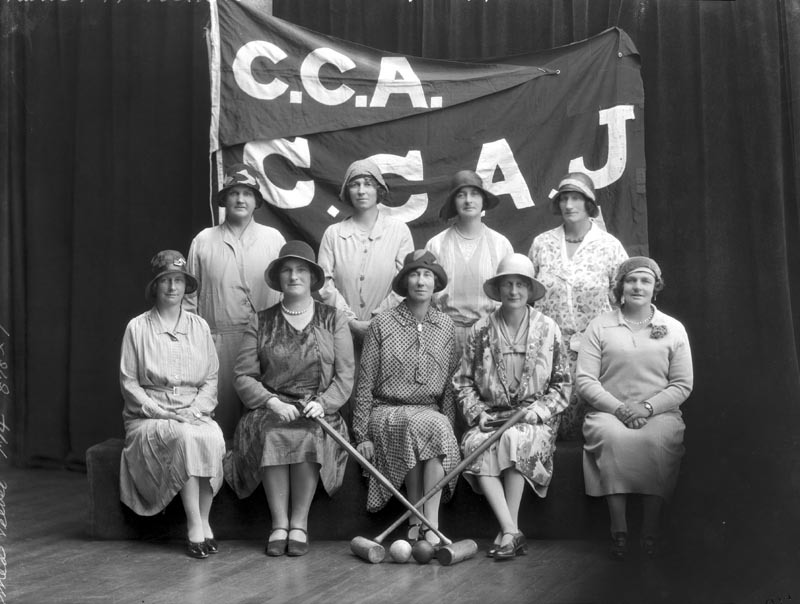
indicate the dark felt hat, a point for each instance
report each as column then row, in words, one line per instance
column 301, row 251
column 239, row 174
column 414, row 260
column 466, row 178
column 167, row 262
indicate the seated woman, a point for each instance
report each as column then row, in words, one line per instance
column 404, row 412
column 514, row 358
column 295, row 364
column 635, row 370
column 168, row 376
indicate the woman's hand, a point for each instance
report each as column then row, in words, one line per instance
column 313, row 409
column 284, row 411
column 190, row 416
column 482, row 419
column 636, row 423
column 367, row 449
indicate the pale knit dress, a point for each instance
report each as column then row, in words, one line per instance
column 164, row 370
column 618, row 365
column 468, row 262
column 577, row 291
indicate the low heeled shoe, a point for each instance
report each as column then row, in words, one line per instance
column 650, row 546
column 212, row 547
column 619, row 545
column 518, row 546
column 196, row 549
column 277, row 547
column 298, row 548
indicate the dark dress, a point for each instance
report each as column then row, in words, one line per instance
column 295, row 365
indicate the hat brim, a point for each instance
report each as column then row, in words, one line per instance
column 223, row 192
column 400, row 282
column 536, row 291
column 448, row 210
column 272, row 276
column 191, row 284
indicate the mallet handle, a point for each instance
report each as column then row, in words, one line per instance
column 379, row 477
column 458, row 469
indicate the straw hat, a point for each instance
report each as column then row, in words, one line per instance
column 514, row 264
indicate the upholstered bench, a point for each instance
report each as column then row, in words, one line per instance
column 566, row 513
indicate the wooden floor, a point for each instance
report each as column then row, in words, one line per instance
column 48, row 558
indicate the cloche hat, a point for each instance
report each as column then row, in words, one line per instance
column 239, row 174
column 514, row 264
column 419, row 259
column 167, row 262
column 301, row 251
column 461, row 179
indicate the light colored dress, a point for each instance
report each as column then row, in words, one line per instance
column 279, row 360
column 360, row 266
column 231, row 289
column 501, row 372
column 404, row 398
column 468, row 263
column 618, row 365
column 164, row 370
column 577, row 291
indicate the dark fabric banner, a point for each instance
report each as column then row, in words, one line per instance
column 299, row 107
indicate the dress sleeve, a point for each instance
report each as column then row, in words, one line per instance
column 587, row 372
column 206, row 400
column 247, row 371
column 405, row 247
column 556, row 396
column 466, row 390
column 328, row 293
column 368, row 373
column 681, row 376
column 137, row 402
column 448, row 396
column 341, row 385
column 533, row 254
column 193, row 266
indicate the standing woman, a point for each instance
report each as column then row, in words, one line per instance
column 514, row 358
column 229, row 261
column 168, row 377
column 576, row 262
column 296, row 364
column 404, row 412
column 469, row 252
column 635, row 370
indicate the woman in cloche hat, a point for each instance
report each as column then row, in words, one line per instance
column 295, row 364
column 404, row 412
column 168, row 377
column 514, row 358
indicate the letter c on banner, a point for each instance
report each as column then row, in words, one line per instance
column 615, row 119
column 243, row 70
column 296, row 152
column 409, row 167
column 309, row 74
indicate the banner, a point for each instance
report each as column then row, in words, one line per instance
column 299, row 107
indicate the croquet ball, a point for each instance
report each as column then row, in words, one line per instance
column 400, row 551
column 422, row 551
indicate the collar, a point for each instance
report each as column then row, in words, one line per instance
column 228, row 235
column 618, row 319
column 181, row 327
column 349, row 228
column 406, row 318
column 592, row 234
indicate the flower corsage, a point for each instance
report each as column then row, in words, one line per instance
column 658, row 331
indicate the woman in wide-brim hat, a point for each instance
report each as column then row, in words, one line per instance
column 635, row 371
column 295, row 365
column 404, row 413
column 469, row 251
column 168, row 377
column 576, row 262
column 513, row 358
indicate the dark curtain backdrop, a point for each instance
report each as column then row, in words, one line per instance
column 104, row 115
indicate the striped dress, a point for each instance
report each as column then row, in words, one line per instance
column 164, row 370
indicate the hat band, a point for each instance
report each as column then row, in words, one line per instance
column 577, row 184
column 642, row 268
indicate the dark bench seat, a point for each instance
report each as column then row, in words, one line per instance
column 566, row 513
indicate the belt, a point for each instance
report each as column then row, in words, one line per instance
column 175, row 390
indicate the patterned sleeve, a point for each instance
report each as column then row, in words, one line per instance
column 206, row 400
column 341, row 385
column 247, row 370
column 556, row 396
column 368, row 374
column 533, row 254
column 137, row 403
column 466, row 390
column 448, row 397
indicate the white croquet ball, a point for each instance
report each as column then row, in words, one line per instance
column 400, row 551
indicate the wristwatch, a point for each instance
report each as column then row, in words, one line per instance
column 649, row 407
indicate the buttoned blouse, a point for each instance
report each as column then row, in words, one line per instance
column 360, row 270
column 230, row 274
column 165, row 369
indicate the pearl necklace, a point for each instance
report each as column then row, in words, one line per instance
column 296, row 312
column 643, row 321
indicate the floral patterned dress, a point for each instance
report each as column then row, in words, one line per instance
column 577, row 292
column 486, row 382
